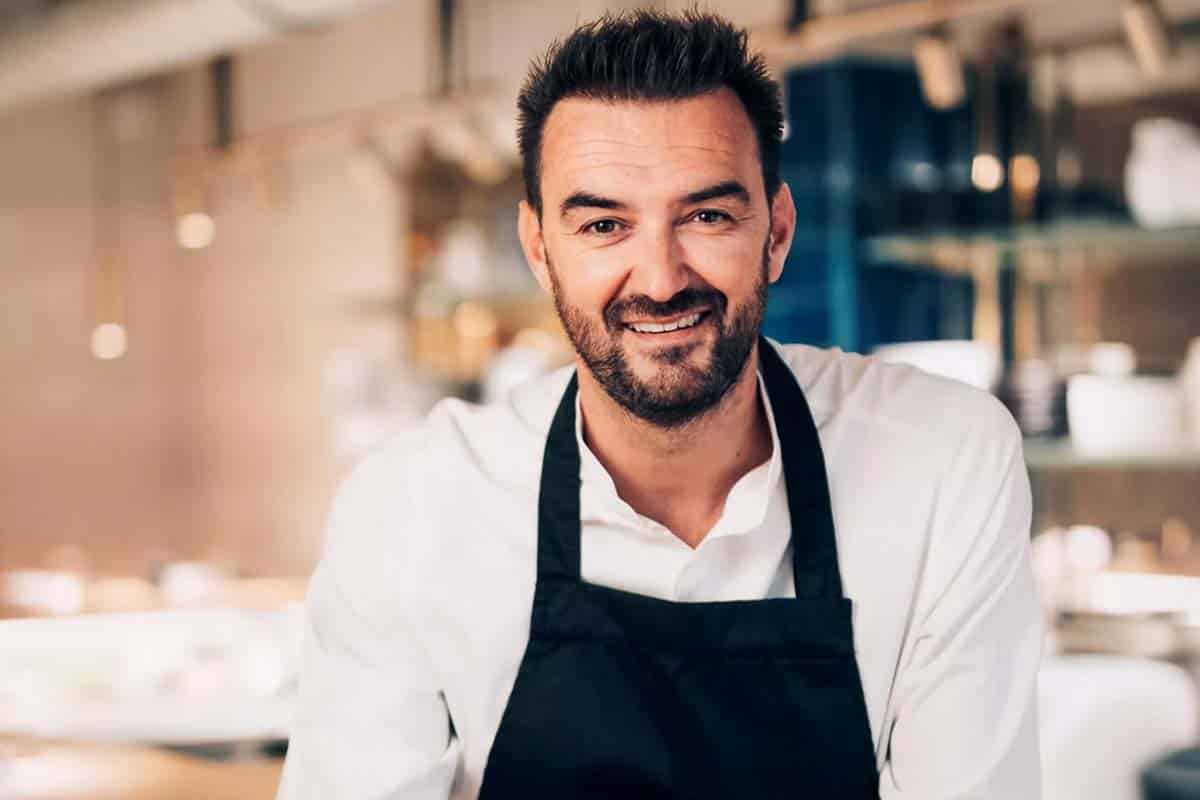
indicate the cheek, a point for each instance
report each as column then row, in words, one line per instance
column 589, row 279
column 589, row 283
column 730, row 264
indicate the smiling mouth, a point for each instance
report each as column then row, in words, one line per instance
column 681, row 323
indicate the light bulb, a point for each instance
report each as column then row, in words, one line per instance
column 195, row 231
column 987, row 172
column 108, row 341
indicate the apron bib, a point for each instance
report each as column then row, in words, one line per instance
column 621, row 696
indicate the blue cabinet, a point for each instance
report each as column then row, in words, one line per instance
column 865, row 154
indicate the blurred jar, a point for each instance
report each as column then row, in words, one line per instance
column 1162, row 173
column 1176, row 546
column 43, row 591
column 1048, row 557
column 1064, row 559
column 1136, row 553
column 192, row 584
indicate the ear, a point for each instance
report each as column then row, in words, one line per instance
column 529, row 229
column 783, row 227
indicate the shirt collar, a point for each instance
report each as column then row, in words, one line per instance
column 745, row 506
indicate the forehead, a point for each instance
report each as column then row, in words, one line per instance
column 601, row 145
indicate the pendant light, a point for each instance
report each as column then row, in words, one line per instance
column 1148, row 34
column 109, row 339
column 987, row 170
column 940, row 69
column 195, row 228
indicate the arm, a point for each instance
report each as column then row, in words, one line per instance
column 371, row 722
column 965, row 714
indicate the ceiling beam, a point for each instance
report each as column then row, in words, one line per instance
column 823, row 37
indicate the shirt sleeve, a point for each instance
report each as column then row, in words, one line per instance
column 372, row 722
column 964, row 721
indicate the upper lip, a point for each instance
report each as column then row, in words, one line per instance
column 665, row 320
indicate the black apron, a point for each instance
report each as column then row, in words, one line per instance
column 625, row 696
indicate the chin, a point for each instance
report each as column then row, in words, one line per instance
column 677, row 383
column 672, row 367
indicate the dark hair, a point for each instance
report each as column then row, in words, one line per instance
column 645, row 56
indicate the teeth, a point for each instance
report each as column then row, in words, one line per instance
column 654, row 327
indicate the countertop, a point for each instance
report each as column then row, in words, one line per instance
column 34, row 770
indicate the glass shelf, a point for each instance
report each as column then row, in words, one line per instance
column 1060, row 454
column 1106, row 239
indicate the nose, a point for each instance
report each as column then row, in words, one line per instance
column 659, row 270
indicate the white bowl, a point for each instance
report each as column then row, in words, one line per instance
column 971, row 362
column 1124, row 415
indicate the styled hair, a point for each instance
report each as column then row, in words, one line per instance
column 648, row 55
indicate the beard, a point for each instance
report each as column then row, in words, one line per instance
column 681, row 391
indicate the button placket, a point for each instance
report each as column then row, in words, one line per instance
column 691, row 573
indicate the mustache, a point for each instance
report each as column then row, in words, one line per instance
column 643, row 306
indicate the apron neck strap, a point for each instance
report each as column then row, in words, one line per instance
column 814, row 546
column 558, row 496
column 814, row 543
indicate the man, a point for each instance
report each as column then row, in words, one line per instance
column 697, row 564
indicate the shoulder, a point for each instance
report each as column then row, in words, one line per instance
column 400, row 513
column 500, row 441
column 897, row 403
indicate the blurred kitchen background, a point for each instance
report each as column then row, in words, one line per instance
column 241, row 240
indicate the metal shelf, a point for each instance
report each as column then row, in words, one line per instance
column 1104, row 239
column 1060, row 454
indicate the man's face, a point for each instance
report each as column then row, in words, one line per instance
column 657, row 241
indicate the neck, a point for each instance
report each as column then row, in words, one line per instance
column 680, row 476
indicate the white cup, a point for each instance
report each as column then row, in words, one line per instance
column 1189, row 380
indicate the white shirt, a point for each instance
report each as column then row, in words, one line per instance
column 419, row 610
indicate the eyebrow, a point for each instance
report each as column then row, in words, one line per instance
column 724, row 189
column 588, row 200
column 733, row 189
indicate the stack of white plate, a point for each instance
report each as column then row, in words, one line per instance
column 1034, row 393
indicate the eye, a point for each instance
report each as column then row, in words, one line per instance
column 711, row 216
column 602, row 227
